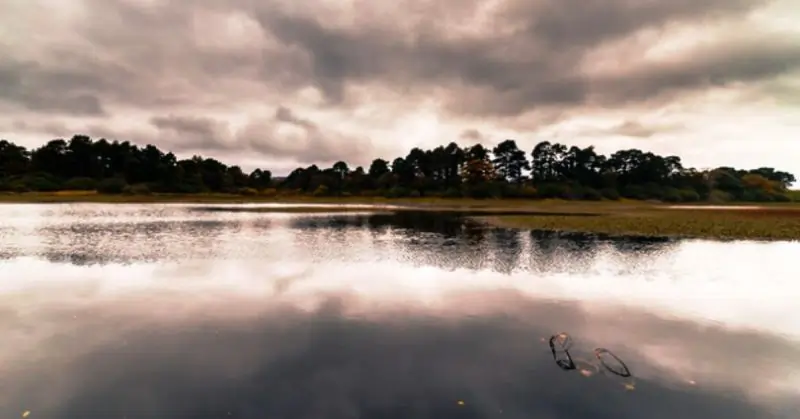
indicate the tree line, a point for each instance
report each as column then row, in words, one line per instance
column 549, row 170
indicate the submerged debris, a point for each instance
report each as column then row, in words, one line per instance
column 612, row 362
column 562, row 342
column 559, row 346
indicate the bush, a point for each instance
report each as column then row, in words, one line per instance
column 452, row 193
column 689, row 195
column 40, row 182
column 610, row 194
column 718, row 196
column 757, row 195
column 321, row 190
column 528, row 192
column 671, row 195
column 779, row 197
column 269, row 192
column 592, row 194
column 137, row 189
column 554, row 190
column 372, row 193
column 81, row 184
column 397, row 192
column 247, row 191
column 634, row 192
column 484, row 190
column 111, row 186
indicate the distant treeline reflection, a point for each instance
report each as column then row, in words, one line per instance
column 442, row 240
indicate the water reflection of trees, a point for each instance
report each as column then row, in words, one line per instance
column 420, row 238
column 573, row 251
column 450, row 241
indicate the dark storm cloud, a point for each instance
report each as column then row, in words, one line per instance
column 537, row 63
column 327, row 363
column 308, row 145
column 530, row 58
column 472, row 135
column 632, row 128
column 580, row 24
column 284, row 114
column 762, row 58
column 192, row 133
column 33, row 87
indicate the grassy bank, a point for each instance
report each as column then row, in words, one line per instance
column 770, row 222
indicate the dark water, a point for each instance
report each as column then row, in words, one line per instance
column 163, row 311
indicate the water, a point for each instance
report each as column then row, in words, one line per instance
column 166, row 311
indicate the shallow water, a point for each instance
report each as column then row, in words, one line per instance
column 166, row 311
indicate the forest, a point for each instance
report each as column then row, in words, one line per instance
column 549, row 170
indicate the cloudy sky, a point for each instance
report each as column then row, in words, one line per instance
column 282, row 83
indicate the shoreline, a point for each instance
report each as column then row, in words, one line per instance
column 94, row 197
column 743, row 221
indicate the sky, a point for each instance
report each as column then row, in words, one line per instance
column 279, row 84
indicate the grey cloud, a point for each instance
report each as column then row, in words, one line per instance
column 472, row 134
column 284, row 114
column 194, row 134
column 534, row 66
column 306, row 144
column 784, row 92
column 758, row 58
column 631, row 128
column 578, row 23
column 309, row 145
column 35, row 88
column 529, row 60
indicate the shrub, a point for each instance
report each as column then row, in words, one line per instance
column 247, row 191
column 321, row 190
column 671, row 195
column 634, row 192
column 268, row 192
column 718, row 196
column 688, row 195
column 528, row 192
column 592, row 194
column 81, row 184
column 610, row 194
column 553, row 190
column 397, row 192
column 779, row 197
column 452, row 193
column 137, row 189
column 110, row 186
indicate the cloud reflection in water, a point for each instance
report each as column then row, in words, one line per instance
column 166, row 315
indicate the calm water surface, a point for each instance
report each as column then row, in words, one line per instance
column 167, row 311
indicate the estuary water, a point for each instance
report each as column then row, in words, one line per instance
column 173, row 311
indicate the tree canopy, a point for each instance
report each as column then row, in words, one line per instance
column 549, row 170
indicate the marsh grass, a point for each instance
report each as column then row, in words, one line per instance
column 759, row 224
